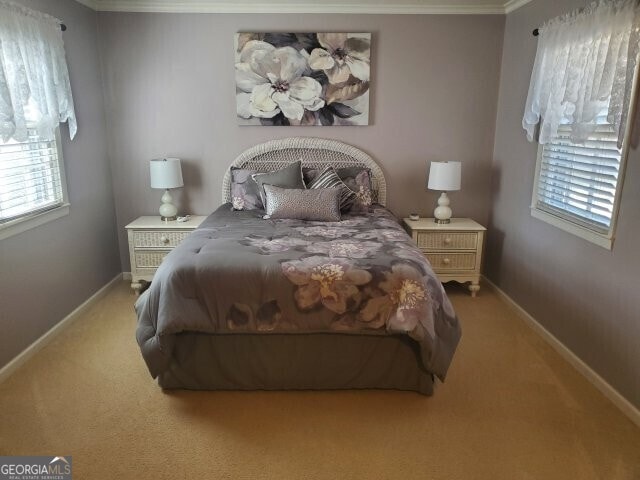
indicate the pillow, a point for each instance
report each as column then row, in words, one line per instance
column 328, row 178
column 287, row 177
column 351, row 172
column 244, row 190
column 309, row 174
column 321, row 204
column 358, row 180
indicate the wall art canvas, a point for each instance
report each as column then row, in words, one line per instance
column 313, row 79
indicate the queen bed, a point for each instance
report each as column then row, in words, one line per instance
column 248, row 303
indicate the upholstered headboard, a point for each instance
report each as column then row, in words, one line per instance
column 314, row 152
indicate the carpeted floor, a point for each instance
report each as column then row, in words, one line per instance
column 511, row 409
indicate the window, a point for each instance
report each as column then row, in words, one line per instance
column 32, row 183
column 578, row 186
column 35, row 97
column 579, row 108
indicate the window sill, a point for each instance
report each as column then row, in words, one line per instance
column 27, row 223
column 584, row 233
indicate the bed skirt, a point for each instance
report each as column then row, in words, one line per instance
column 295, row 362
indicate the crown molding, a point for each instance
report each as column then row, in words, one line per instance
column 512, row 5
column 265, row 6
column 92, row 4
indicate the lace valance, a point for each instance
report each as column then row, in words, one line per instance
column 34, row 81
column 583, row 71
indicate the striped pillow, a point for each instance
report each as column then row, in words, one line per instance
column 329, row 178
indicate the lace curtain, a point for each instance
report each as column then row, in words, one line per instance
column 583, row 71
column 34, row 80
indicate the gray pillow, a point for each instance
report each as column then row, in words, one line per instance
column 287, row 177
column 360, row 183
column 244, row 190
column 322, row 204
column 328, row 178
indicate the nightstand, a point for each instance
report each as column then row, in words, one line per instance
column 453, row 249
column 150, row 239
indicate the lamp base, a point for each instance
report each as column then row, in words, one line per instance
column 443, row 221
column 443, row 212
column 168, row 211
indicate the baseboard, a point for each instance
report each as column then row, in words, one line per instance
column 41, row 342
column 596, row 380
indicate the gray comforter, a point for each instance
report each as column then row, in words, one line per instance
column 239, row 273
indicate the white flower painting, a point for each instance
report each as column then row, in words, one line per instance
column 312, row 79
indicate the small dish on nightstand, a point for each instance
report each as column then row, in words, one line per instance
column 414, row 216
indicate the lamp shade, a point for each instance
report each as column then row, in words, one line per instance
column 445, row 176
column 165, row 173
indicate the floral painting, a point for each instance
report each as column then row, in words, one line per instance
column 314, row 79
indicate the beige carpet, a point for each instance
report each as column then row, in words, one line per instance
column 511, row 409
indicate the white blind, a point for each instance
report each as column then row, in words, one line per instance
column 29, row 177
column 578, row 182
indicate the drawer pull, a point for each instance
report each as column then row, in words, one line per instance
column 164, row 239
column 447, row 240
column 446, row 261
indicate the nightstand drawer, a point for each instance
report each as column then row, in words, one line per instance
column 447, row 240
column 158, row 239
column 150, row 259
column 452, row 261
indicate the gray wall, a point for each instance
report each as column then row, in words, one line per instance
column 48, row 271
column 169, row 89
column 583, row 294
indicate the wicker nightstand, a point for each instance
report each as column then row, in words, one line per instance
column 150, row 239
column 453, row 249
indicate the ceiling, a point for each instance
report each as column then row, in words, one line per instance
column 310, row 6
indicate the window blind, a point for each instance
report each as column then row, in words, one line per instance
column 578, row 182
column 30, row 180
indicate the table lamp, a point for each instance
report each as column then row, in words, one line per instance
column 166, row 173
column 445, row 177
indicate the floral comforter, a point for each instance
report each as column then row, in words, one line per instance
column 239, row 273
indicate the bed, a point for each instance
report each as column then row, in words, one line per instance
column 246, row 303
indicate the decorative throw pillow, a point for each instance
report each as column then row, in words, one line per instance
column 287, row 177
column 358, row 180
column 244, row 190
column 309, row 174
column 350, row 172
column 322, row 204
column 328, row 178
